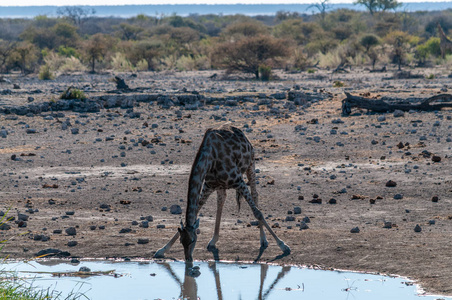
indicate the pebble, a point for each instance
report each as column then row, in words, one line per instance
column 71, row 231
column 297, row 210
column 355, row 230
column 175, row 209
column 72, row 243
column 84, row 269
column 417, row 228
column 143, row 241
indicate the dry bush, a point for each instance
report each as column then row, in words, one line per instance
column 120, row 63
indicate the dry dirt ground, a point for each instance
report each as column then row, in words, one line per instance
column 103, row 181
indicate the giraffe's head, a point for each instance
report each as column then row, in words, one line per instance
column 188, row 237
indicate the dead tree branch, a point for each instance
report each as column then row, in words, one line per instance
column 442, row 100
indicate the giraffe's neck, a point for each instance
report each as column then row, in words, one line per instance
column 199, row 169
column 442, row 35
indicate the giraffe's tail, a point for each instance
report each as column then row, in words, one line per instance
column 237, row 198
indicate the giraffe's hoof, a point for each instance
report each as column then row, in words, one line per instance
column 159, row 254
column 286, row 250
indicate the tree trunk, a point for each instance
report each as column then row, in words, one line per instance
column 256, row 73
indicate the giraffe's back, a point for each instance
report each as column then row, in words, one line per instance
column 231, row 154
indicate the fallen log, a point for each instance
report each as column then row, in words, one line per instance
column 443, row 100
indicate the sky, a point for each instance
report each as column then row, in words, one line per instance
column 123, row 2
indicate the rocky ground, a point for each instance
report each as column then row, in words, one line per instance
column 107, row 177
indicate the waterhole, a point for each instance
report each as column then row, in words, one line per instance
column 206, row 280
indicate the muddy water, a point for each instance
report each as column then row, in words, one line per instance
column 208, row 280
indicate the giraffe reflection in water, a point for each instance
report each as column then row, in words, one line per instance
column 189, row 285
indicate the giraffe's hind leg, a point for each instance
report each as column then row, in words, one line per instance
column 206, row 191
column 243, row 190
column 251, row 175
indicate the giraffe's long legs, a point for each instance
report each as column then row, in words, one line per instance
column 243, row 190
column 206, row 192
column 251, row 175
column 221, row 197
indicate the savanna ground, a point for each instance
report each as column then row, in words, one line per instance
column 104, row 176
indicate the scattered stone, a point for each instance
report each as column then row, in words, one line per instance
column 71, row 231
column 398, row 196
column 70, row 213
column 303, row 226
column 5, row 226
column 316, row 201
column 175, row 209
column 160, row 226
column 143, row 241
column 290, row 218
column 387, row 225
column 297, row 210
column 84, row 269
column 355, row 230
column 435, row 199
column 125, row 230
column 332, row 201
column 417, row 228
column 391, row 183
column 52, row 252
column 398, row 113
column 93, row 227
column 436, row 158
column 57, row 231
column 72, row 243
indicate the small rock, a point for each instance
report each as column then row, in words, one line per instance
column 72, row 243
column 71, row 231
column 387, row 225
column 398, row 196
column 435, row 199
column 297, row 210
column 303, row 226
column 290, row 218
column 125, row 230
column 175, row 209
column 143, row 241
column 332, row 201
column 84, row 269
column 355, row 230
column 398, row 113
column 436, row 158
column 391, row 183
column 417, row 228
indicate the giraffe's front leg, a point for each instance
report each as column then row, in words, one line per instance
column 221, row 198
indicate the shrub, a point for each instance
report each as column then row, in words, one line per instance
column 311, row 71
column 120, row 63
column 73, row 93
column 72, row 64
column 45, row 73
column 247, row 55
column 265, row 72
column 338, row 83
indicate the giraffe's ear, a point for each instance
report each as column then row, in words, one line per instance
column 196, row 225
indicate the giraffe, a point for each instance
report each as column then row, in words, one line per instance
column 445, row 44
column 224, row 155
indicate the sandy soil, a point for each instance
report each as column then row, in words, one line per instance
column 104, row 176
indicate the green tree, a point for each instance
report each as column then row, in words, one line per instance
column 399, row 41
column 25, row 57
column 96, row 48
column 246, row 55
column 378, row 5
column 147, row 50
column 368, row 41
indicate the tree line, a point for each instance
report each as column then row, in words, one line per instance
column 76, row 40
